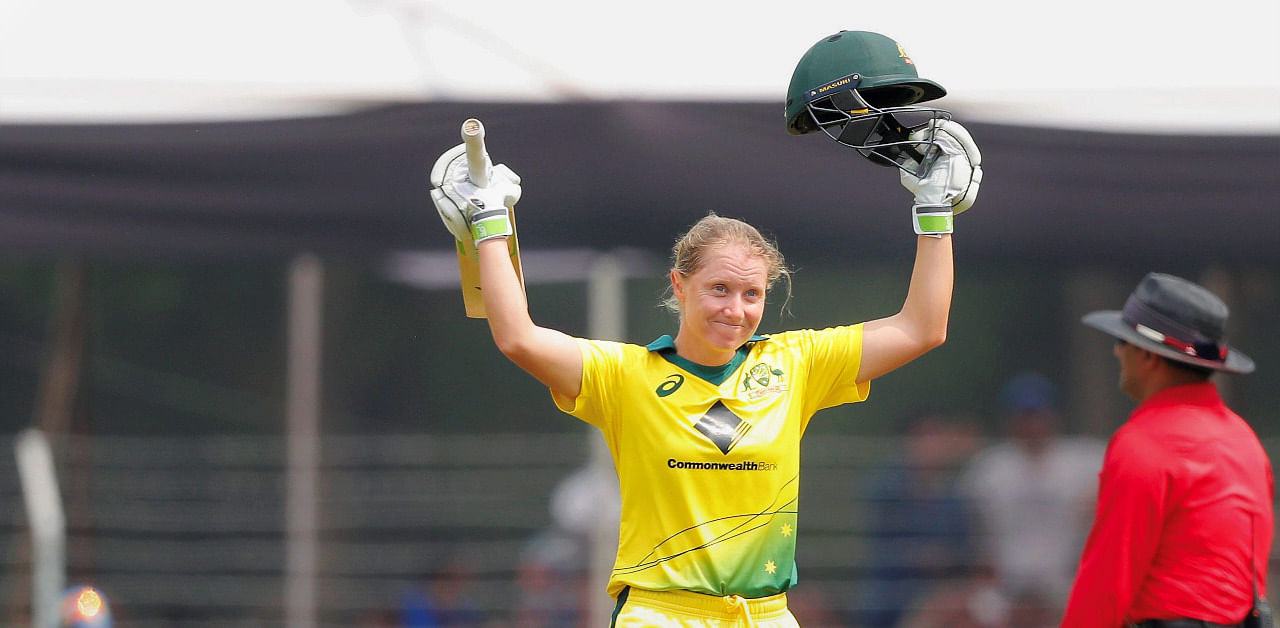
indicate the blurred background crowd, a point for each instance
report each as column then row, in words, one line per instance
column 439, row 503
column 958, row 528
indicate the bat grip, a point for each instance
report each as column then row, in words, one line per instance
column 478, row 164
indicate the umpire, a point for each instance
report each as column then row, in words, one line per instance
column 1183, row 527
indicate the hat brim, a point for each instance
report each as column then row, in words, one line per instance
column 1110, row 322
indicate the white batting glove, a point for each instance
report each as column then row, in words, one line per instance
column 951, row 185
column 468, row 211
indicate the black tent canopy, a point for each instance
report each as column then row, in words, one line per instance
column 615, row 174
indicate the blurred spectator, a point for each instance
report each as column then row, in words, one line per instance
column 963, row 603
column 1029, row 609
column 378, row 618
column 918, row 530
column 549, row 581
column 979, row 602
column 586, row 500
column 1033, row 492
column 812, row 607
column 553, row 569
column 442, row 599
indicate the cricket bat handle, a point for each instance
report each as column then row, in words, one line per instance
column 478, row 165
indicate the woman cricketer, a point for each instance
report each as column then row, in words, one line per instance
column 704, row 427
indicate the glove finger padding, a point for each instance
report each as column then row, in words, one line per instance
column 487, row 209
column 508, row 175
column 961, row 137
column 449, row 205
column 964, row 139
column 952, row 181
column 951, row 184
column 451, row 216
column 503, row 190
column 471, row 212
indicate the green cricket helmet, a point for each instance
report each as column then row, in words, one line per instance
column 862, row 89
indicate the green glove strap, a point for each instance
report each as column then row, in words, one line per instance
column 492, row 223
column 932, row 220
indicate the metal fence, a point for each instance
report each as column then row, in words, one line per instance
column 190, row 532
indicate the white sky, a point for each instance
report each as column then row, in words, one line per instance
column 1158, row 63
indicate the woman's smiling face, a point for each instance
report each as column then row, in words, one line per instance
column 720, row 303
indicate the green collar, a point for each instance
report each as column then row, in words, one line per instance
column 665, row 346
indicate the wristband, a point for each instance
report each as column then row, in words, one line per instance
column 491, row 223
column 932, row 220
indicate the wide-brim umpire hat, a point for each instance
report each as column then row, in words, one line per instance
column 1177, row 319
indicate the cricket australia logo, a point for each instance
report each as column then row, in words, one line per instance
column 902, row 54
column 761, row 380
column 722, row 427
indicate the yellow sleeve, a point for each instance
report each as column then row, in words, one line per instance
column 835, row 355
column 600, row 360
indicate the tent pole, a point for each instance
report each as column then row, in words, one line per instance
column 302, row 415
column 606, row 320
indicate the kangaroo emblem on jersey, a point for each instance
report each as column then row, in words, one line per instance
column 722, row 427
column 761, row 375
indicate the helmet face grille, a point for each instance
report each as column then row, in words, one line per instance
column 882, row 135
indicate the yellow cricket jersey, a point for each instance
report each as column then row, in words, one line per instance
column 708, row 459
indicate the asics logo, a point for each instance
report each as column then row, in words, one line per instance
column 670, row 385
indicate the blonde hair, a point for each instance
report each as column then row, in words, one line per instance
column 689, row 252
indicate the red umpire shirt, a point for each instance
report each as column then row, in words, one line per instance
column 1185, row 486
